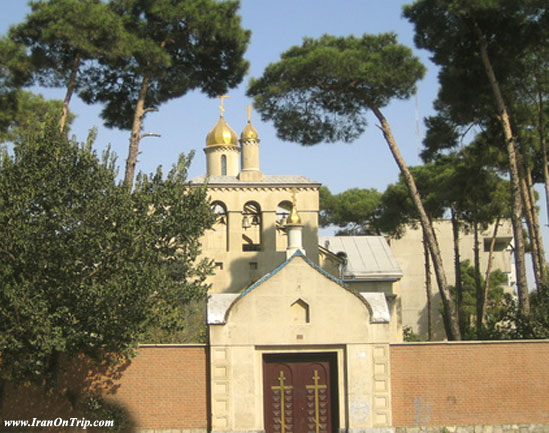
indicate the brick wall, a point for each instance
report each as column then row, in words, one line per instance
column 162, row 388
column 444, row 384
column 166, row 388
column 470, row 383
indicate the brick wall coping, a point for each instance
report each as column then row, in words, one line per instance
column 408, row 343
column 468, row 342
column 149, row 345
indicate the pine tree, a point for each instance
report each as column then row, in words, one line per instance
column 321, row 91
column 181, row 45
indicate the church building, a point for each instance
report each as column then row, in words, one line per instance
column 292, row 348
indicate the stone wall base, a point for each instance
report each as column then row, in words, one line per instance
column 499, row 428
column 171, row 431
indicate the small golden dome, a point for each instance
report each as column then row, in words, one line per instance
column 249, row 133
column 222, row 134
column 293, row 219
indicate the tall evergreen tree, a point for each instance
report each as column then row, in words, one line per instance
column 28, row 115
column 63, row 36
column 474, row 192
column 480, row 46
column 14, row 72
column 354, row 211
column 321, row 91
column 397, row 213
column 181, row 45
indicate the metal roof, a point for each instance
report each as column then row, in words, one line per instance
column 368, row 257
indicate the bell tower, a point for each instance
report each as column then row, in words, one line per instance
column 249, row 141
column 257, row 227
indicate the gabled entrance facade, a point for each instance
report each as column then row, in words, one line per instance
column 298, row 352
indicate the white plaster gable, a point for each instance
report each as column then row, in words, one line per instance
column 378, row 305
column 217, row 307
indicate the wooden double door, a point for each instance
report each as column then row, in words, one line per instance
column 300, row 393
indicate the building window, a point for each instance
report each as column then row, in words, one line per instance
column 501, row 244
column 251, row 227
column 282, row 212
column 217, row 238
column 223, row 165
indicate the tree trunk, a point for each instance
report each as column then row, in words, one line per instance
column 543, row 145
column 3, row 384
column 529, row 224
column 535, row 226
column 531, row 215
column 488, row 275
column 71, row 85
column 135, row 136
column 52, row 373
column 457, row 266
column 516, row 211
column 447, row 301
column 428, row 288
column 478, row 285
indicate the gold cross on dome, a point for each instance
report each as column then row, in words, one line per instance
column 222, row 106
column 249, row 110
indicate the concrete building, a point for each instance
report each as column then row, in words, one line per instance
column 408, row 251
column 400, row 264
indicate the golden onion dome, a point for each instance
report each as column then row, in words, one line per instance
column 293, row 219
column 222, row 134
column 249, row 133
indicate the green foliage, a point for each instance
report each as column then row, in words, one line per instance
column 321, row 90
column 494, row 307
column 14, row 65
column 191, row 327
column 448, row 30
column 474, row 190
column 517, row 37
column 512, row 324
column 410, row 336
column 354, row 210
column 178, row 46
column 63, row 34
column 14, row 70
column 397, row 210
column 96, row 408
column 85, row 266
column 29, row 114
column 454, row 180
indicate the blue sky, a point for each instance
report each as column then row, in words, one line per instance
column 277, row 25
